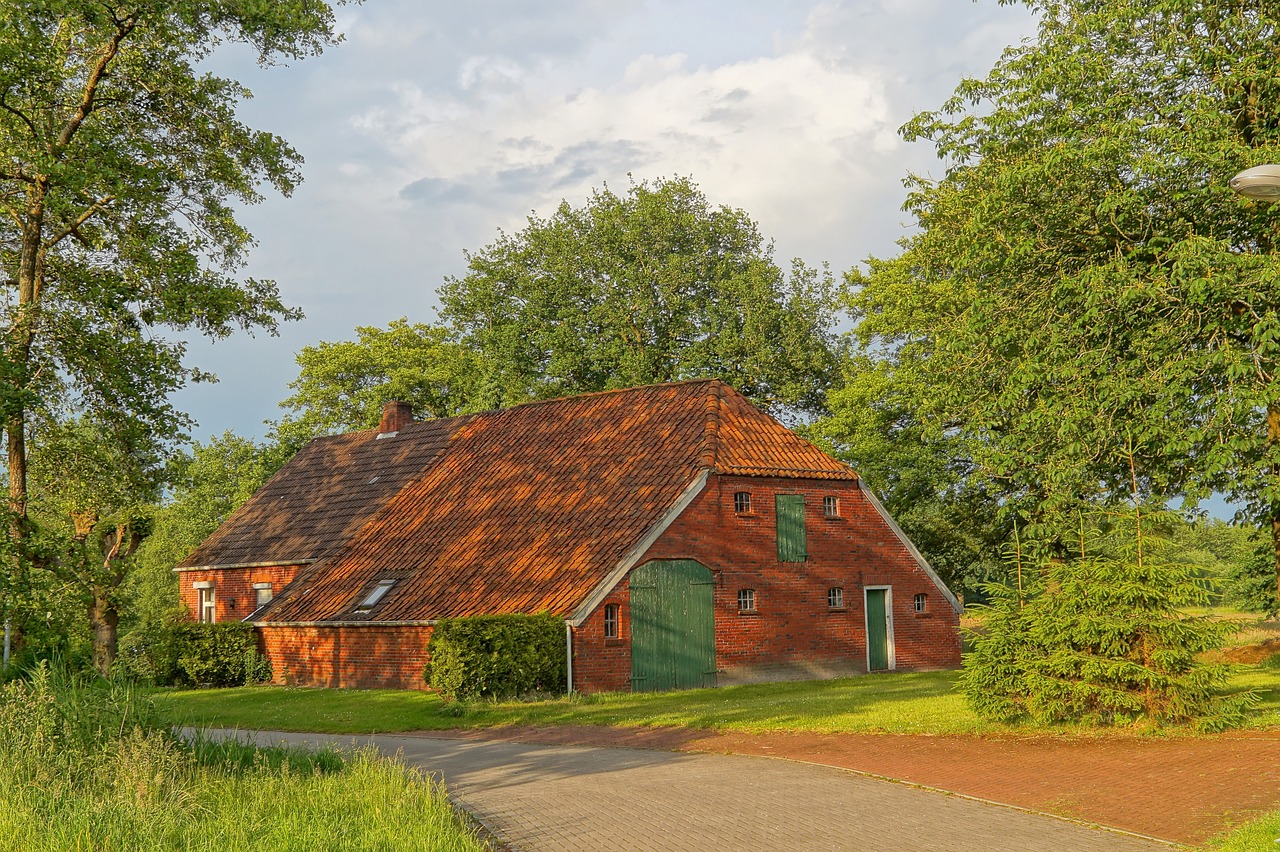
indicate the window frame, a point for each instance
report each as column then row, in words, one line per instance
column 206, row 605
column 920, row 603
column 612, row 621
column 742, row 502
column 376, row 595
column 830, row 506
column 835, row 598
column 747, row 597
column 258, row 600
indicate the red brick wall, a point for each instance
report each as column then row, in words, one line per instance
column 234, row 597
column 793, row 628
column 373, row 657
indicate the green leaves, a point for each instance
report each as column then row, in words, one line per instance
column 657, row 285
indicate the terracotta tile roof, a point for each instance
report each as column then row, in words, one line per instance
column 323, row 496
column 529, row 508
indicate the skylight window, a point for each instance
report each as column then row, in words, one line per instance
column 376, row 594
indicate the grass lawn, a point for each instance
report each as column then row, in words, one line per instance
column 1260, row 834
column 921, row 703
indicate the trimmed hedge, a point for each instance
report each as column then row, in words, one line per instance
column 189, row 653
column 493, row 656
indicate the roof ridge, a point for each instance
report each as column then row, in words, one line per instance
column 591, row 394
column 711, row 428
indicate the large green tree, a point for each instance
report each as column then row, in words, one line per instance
column 121, row 162
column 93, row 490
column 1084, row 296
column 342, row 385
column 654, row 285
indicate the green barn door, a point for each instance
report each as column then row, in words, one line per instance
column 673, row 631
column 877, row 630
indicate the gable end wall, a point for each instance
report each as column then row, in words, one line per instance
column 794, row 633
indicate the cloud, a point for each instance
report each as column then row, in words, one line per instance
column 775, row 135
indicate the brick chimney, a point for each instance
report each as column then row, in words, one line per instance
column 395, row 416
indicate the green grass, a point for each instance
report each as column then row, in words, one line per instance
column 91, row 767
column 921, row 703
column 1261, row 834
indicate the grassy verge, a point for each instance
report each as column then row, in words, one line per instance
column 1260, row 834
column 922, row 703
column 93, row 768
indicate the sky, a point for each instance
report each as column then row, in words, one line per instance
column 435, row 125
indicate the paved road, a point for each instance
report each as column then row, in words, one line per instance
column 537, row 797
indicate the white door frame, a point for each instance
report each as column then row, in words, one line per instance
column 888, row 624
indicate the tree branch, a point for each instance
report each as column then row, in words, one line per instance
column 96, row 207
column 123, row 29
column 35, row 134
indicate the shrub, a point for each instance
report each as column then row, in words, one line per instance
column 496, row 656
column 222, row 654
column 1102, row 638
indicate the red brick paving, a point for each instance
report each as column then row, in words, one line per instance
column 1182, row 789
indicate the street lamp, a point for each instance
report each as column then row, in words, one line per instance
column 1260, row 182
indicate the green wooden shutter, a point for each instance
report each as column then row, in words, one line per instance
column 789, row 509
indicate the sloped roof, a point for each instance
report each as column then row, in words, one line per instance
column 323, row 496
column 529, row 508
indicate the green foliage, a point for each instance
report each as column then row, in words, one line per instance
column 89, row 765
column 496, row 656
column 923, row 473
column 222, row 654
column 207, row 484
column 651, row 286
column 1082, row 277
column 342, row 385
column 1103, row 637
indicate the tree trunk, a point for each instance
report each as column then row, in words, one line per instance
column 104, row 620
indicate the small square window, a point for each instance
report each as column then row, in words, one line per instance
column 611, row 621
column 831, row 507
column 262, row 594
column 376, row 594
column 920, row 601
column 746, row 600
column 835, row 597
column 742, row 503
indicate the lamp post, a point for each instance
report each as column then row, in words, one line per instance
column 1262, row 183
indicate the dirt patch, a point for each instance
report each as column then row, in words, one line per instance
column 1252, row 654
column 1184, row 789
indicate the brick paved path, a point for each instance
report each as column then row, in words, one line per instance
column 541, row 797
column 1184, row 789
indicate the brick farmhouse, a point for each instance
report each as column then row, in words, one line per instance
column 685, row 537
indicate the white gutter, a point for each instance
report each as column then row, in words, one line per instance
column 275, row 564
column 568, row 653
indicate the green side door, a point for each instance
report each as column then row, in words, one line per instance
column 877, row 630
column 673, row 631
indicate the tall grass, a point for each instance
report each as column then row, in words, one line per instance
column 92, row 767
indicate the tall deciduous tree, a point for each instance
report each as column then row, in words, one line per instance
column 1083, row 283
column 94, row 486
column 651, row 286
column 342, row 385
column 120, row 163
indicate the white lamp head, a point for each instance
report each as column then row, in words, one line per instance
column 1260, row 182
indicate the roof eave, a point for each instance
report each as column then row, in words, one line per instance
column 277, row 563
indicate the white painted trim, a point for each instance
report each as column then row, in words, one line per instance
column 202, row 584
column 888, row 625
column 262, row 585
column 277, row 564
column 911, row 548
column 634, row 555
